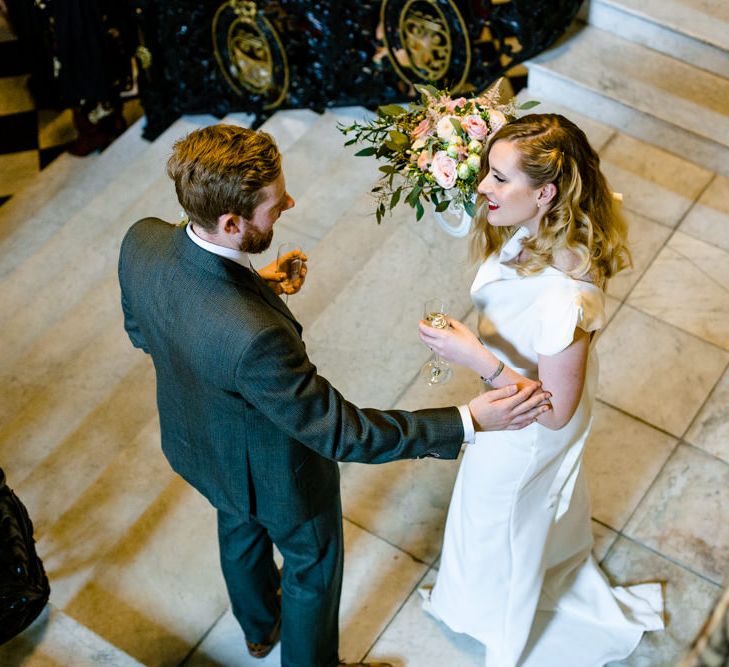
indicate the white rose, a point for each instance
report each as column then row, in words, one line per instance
column 445, row 128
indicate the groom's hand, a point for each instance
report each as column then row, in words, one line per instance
column 507, row 409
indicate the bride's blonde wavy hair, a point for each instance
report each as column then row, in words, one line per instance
column 583, row 217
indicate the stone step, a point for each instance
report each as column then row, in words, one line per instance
column 29, row 263
column 52, row 279
column 365, row 340
column 34, row 215
column 640, row 91
column 55, row 639
column 694, row 31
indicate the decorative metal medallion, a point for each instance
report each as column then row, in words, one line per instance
column 249, row 52
column 427, row 41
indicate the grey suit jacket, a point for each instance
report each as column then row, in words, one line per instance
column 245, row 418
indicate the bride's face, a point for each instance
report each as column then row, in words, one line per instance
column 511, row 198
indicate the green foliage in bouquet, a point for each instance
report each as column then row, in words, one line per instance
column 431, row 149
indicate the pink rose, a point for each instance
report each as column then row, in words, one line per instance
column 452, row 105
column 475, row 127
column 423, row 160
column 496, row 120
column 422, row 130
column 444, row 170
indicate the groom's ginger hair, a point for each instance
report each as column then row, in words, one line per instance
column 222, row 169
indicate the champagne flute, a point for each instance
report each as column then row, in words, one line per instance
column 436, row 370
column 287, row 264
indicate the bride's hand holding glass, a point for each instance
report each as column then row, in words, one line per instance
column 455, row 343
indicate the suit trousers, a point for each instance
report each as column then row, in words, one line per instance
column 311, row 583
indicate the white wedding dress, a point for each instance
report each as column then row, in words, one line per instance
column 516, row 571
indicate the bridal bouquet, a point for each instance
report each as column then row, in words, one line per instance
column 432, row 148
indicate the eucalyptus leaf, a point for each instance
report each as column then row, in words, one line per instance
column 470, row 207
column 399, row 139
column 395, row 198
column 442, row 206
column 390, row 110
column 365, row 152
column 419, row 210
column 457, row 124
column 529, row 104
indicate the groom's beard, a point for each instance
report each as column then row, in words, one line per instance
column 255, row 242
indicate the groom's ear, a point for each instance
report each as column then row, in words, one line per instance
column 230, row 223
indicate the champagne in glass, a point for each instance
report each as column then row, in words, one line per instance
column 288, row 262
column 436, row 370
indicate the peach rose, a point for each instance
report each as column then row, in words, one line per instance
column 444, row 169
column 445, row 128
column 496, row 120
column 475, row 127
column 424, row 160
column 422, row 130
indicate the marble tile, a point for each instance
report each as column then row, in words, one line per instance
column 160, row 589
column 343, row 180
column 684, row 514
column 377, row 579
column 612, row 305
column 622, row 458
column 17, row 170
column 710, row 429
column 101, row 513
column 38, row 414
column 645, row 239
column 404, row 502
column 708, row 219
column 604, row 538
column 709, row 21
column 688, row 601
column 55, row 128
column 366, row 341
column 78, row 460
column 654, row 183
column 598, row 61
column 635, row 352
column 419, row 490
column 661, row 25
column 15, row 96
column 330, row 269
column 56, row 640
column 416, row 639
column 688, row 286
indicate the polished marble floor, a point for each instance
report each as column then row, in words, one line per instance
column 131, row 550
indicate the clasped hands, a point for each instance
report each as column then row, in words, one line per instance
column 511, row 407
column 278, row 281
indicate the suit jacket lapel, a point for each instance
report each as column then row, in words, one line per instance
column 228, row 270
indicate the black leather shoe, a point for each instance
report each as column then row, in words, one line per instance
column 262, row 649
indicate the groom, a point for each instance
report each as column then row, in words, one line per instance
column 245, row 417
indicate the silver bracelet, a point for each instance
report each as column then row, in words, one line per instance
column 495, row 374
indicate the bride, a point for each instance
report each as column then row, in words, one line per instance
column 516, row 570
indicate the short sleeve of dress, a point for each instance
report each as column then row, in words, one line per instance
column 564, row 307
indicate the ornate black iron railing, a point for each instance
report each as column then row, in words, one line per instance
column 243, row 55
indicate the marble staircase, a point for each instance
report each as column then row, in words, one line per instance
column 656, row 70
column 130, row 549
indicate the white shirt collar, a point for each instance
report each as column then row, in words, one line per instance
column 238, row 256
